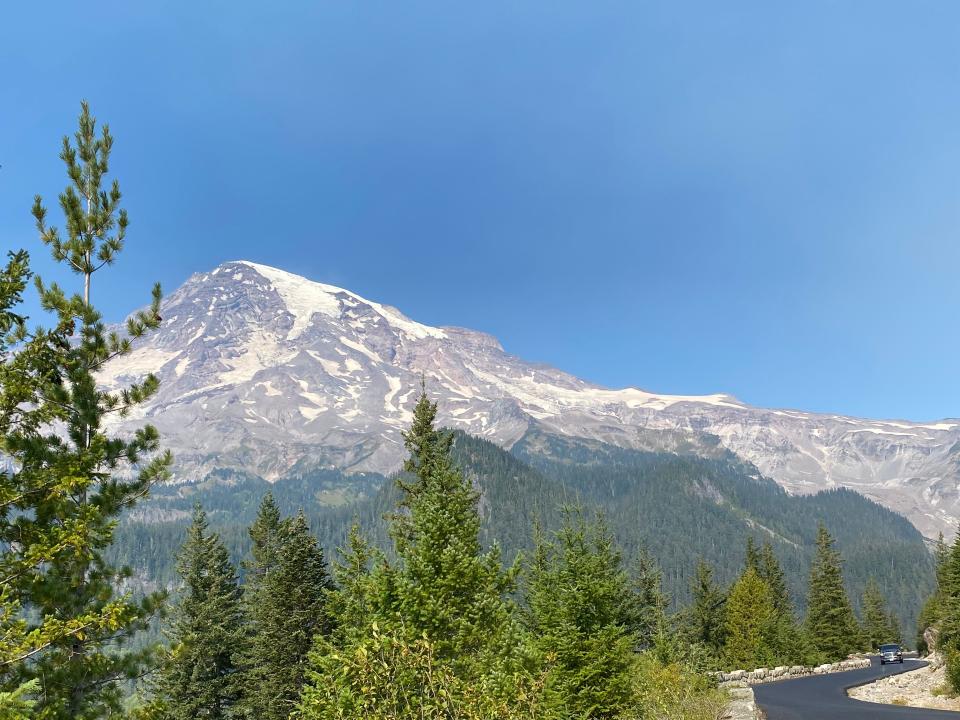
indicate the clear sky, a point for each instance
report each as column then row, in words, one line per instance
column 760, row 198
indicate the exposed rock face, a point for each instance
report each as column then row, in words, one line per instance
column 930, row 636
column 270, row 373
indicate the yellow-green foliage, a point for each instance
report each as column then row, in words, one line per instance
column 671, row 692
column 749, row 621
column 389, row 677
column 16, row 705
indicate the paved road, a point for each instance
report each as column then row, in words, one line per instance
column 824, row 697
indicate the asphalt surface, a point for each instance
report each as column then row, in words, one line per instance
column 824, row 697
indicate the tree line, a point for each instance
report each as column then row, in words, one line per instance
column 753, row 623
column 440, row 629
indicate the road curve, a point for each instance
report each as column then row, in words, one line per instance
column 824, row 697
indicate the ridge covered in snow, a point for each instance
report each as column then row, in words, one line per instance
column 267, row 372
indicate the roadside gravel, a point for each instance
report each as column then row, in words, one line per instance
column 910, row 689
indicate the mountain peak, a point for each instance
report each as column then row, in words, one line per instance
column 304, row 297
column 267, row 371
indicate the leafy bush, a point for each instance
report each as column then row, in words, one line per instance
column 390, row 677
column 672, row 692
column 951, row 657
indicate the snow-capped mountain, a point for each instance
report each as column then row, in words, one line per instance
column 273, row 374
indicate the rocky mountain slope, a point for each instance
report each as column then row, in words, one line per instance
column 270, row 373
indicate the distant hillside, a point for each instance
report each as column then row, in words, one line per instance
column 682, row 507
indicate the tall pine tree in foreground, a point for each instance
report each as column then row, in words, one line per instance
column 432, row 636
column 73, row 479
column 831, row 624
column 285, row 613
column 202, row 678
column 582, row 620
column 446, row 587
column 24, row 363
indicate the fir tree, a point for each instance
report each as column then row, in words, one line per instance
column 831, row 624
column 288, row 613
column 751, row 556
column 769, row 570
column 361, row 594
column 893, row 625
column 941, row 555
column 446, row 586
column 263, row 538
column 581, row 620
column 949, row 603
column 27, row 546
column 201, row 678
column 788, row 643
column 875, row 617
column 650, row 603
column 73, row 479
column 704, row 619
column 442, row 609
column 749, row 622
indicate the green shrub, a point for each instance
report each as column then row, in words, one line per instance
column 390, row 677
column 672, row 692
column 951, row 659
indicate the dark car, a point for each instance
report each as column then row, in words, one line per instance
column 891, row 653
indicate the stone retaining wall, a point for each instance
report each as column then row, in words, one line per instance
column 742, row 705
column 739, row 678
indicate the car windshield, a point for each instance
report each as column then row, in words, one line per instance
column 889, row 648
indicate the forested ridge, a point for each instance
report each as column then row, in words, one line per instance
column 682, row 507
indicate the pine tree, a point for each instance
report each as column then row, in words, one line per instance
column 751, row 557
column 749, row 622
column 941, row 555
column 704, row 619
column 25, row 361
column 893, row 625
column 831, row 624
column 263, row 538
column 581, row 620
column 650, row 603
column 875, row 617
column 264, row 533
column 769, row 570
column 439, row 619
column 202, row 677
column 288, row 613
column 949, row 605
column 931, row 614
column 446, row 586
column 73, row 479
column 362, row 593
column 788, row 644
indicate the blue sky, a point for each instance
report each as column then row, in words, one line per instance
column 691, row 197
